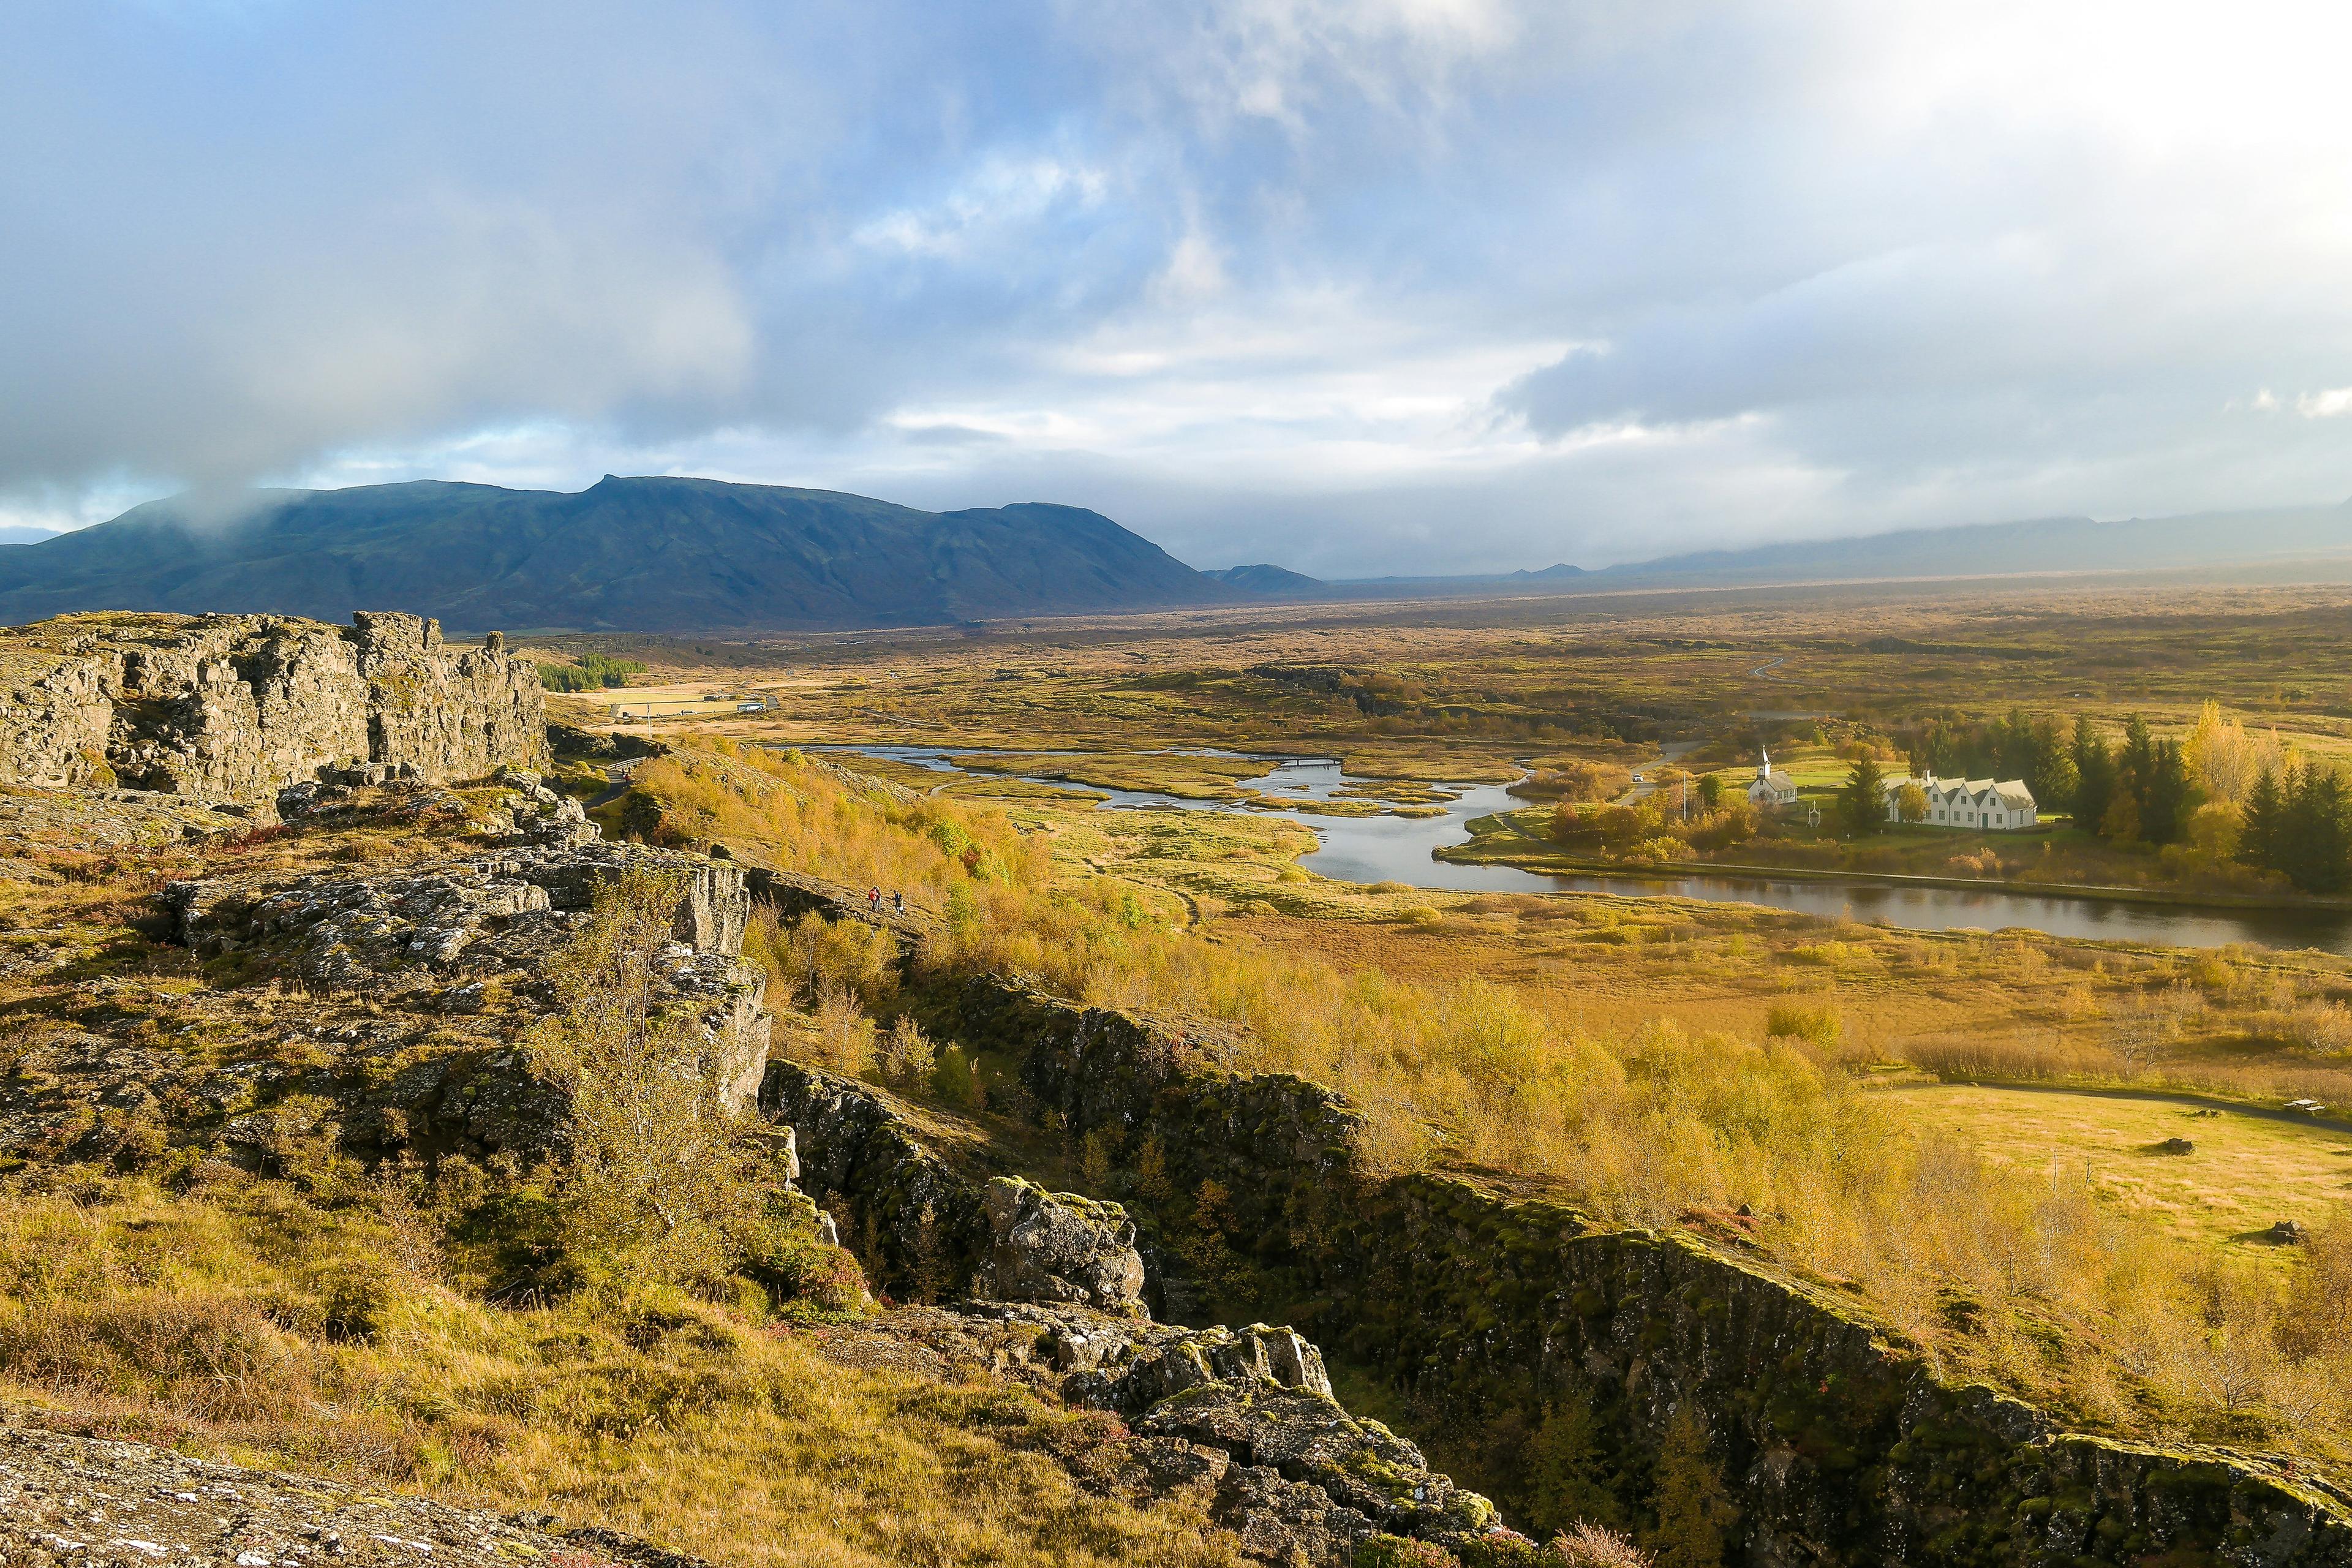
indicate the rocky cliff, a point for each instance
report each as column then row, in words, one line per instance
column 239, row 706
column 1838, row 1445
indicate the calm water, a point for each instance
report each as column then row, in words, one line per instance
column 1397, row 849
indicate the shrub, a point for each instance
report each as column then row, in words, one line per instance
column 1817, row 1024
column 905, row 1056
column 657, row 1184
column 1591, row 1546
column 955, row 1079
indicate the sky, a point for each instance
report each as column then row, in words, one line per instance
column 1357, row 287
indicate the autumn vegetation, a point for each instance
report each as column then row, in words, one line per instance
column 2024, row 1276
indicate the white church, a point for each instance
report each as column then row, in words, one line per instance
column 1771, row 789
column 1981, row 803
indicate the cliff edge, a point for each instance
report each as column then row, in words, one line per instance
column 239, row 706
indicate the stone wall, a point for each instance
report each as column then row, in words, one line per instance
column 1838, row 1447
column 237, row 706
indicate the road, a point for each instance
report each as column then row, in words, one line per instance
column 618, row 774
column 1645, row 777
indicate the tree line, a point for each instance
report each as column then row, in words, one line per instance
column 593, row 672
column 2223, row 792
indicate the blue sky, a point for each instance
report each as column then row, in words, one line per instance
column 1390, row 286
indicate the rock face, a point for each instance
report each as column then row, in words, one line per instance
column 1247, row 1415
column 1058, row 1246
column 240, row 706
column 444, row 925
column 1837, row 1446
column 80, row 1500
column 922, row 1225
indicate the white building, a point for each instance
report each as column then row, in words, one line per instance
column 1771, row 787
column 1981, row 803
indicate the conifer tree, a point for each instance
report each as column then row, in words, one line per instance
column 1694, row 1511
column 2259, row 836
column 1863, row 801
column 2095, row 775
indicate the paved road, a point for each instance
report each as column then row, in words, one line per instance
column 1669, row 752
column 618, row 775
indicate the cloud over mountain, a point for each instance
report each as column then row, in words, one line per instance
column 1408, row 284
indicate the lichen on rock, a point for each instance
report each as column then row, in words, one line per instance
column 239, row 706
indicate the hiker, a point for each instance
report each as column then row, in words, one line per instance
column 898, row 902
column 874, row 899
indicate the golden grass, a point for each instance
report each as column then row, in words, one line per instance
column 1477, row 1019
column 2247, row 1172
column 241, row 1323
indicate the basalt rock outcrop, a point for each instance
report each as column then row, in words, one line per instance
column 403, row 993
column 454, row 926
column 919, row 1225
column 1056, row 1283
column 1838, row 1445
column 1059, row 1247
column 240, row 706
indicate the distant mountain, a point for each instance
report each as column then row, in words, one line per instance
column 17, row 534
column 1268, row 581
column 636, row 555
column 2268, row 544
column 2235, row 541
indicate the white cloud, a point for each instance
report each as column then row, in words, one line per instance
column 1389, row 284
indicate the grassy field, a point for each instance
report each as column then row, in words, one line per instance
column 1429, row 689
column 1659, row 1059
column 2246, row 1172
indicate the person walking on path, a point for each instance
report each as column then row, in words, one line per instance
column 898, row 902
column 874, row 900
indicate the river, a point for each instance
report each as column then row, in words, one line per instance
column 1399, row 850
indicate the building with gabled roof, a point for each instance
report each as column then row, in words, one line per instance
column 1770, row 787
column 1984, row 805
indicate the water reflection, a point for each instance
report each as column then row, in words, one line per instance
column 1388, row 849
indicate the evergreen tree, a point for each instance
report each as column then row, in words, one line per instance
column 2049, row 770
column 1863, row 801
column 2135, row 766
column 1568, row 1474
column 2261, row 835
column 1695, row 1512
column 2166, row 796
column 2095, row 775
column 2315, row 844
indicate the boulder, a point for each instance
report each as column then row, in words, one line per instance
column 1058, row 1246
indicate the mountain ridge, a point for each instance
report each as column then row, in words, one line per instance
column 660, row 554
column 2240, row 539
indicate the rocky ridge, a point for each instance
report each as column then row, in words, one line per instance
column 1054, row 1280
column 236, row 707
column 1838, row 1444
column 416, row 982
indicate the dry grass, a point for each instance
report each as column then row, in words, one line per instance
column 242, row 1322
column 2246, row 1173
column 2072, row 1299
